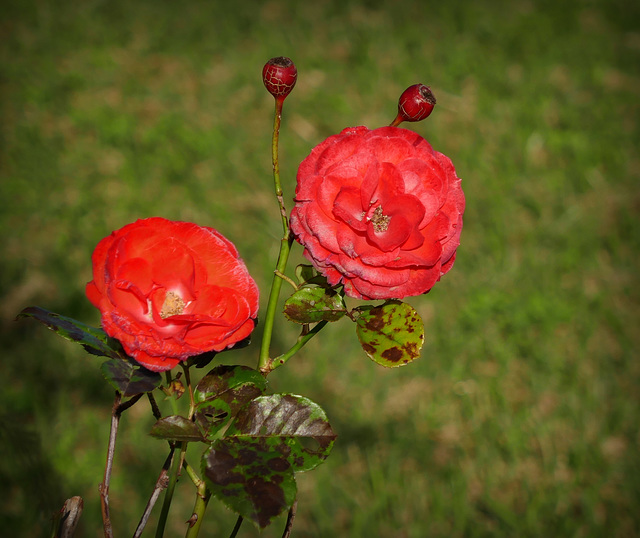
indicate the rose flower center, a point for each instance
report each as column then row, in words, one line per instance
column 173, row 305
column 379, row 220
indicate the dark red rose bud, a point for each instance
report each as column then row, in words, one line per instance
column 415, row 104
column 279, row 76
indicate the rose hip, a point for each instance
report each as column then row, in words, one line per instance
column 415, row 104
column 279, row 76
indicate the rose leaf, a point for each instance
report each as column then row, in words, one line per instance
column 222, row 392
column 306, row 274
column 94, row 340
column 391, row 334
column 176, row 428
column 130, row 379
column 252, row 468
column 310, row 305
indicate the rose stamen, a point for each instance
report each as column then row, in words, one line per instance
column 379, row 220
column 173, row 305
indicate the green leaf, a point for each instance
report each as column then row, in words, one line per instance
column 130, row 379
column 391, row 334
column 251, row 469
column 222, row 392
column 310, row 305
column 176, row 428
column 306, row 274
column 94, row 340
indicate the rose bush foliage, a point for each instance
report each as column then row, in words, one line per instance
column 170, row 290
column 378, row 211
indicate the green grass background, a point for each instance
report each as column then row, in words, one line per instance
column 520, row 419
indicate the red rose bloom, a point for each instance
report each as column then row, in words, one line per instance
column 378, row 211
column 170, row 290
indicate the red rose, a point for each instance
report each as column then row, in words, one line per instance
column 170, row 290
column 378, row 211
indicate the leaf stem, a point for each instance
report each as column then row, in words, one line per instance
column 272, row 364
column 235, row 530
column 290, row 517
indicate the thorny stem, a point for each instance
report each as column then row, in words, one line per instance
column 104, row 487
column 202, row 499
column 285, row 243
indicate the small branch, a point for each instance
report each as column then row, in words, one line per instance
column 290, row 518
column 191, row 473
column 286, row 279
column 154, row 406
column 129, row 403
column 161, row 484
column 272, row 364
column 104, row 486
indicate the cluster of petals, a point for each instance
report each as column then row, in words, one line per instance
column 378, row 211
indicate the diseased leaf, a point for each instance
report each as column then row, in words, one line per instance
column 94, row 340
column 251, row 469
column 249, row 478
column 130, row 379
column 222, row 392
column 295, row 420
column 391, row 334
column 310, row 305
column 176, row 428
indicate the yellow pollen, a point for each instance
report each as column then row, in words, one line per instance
column 379, row 220
column 173, row 305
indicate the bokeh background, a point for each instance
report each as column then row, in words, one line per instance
column 522, row 416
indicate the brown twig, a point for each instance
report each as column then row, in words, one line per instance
column 161, row 484
column 104, row 486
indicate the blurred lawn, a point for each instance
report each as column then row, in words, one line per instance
column 520, row 419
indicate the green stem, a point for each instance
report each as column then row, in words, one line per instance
column 275, row 161
column 172, row 398
column 202, row 499
column 285, row 243
column 272, row 305
column 272, row 364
